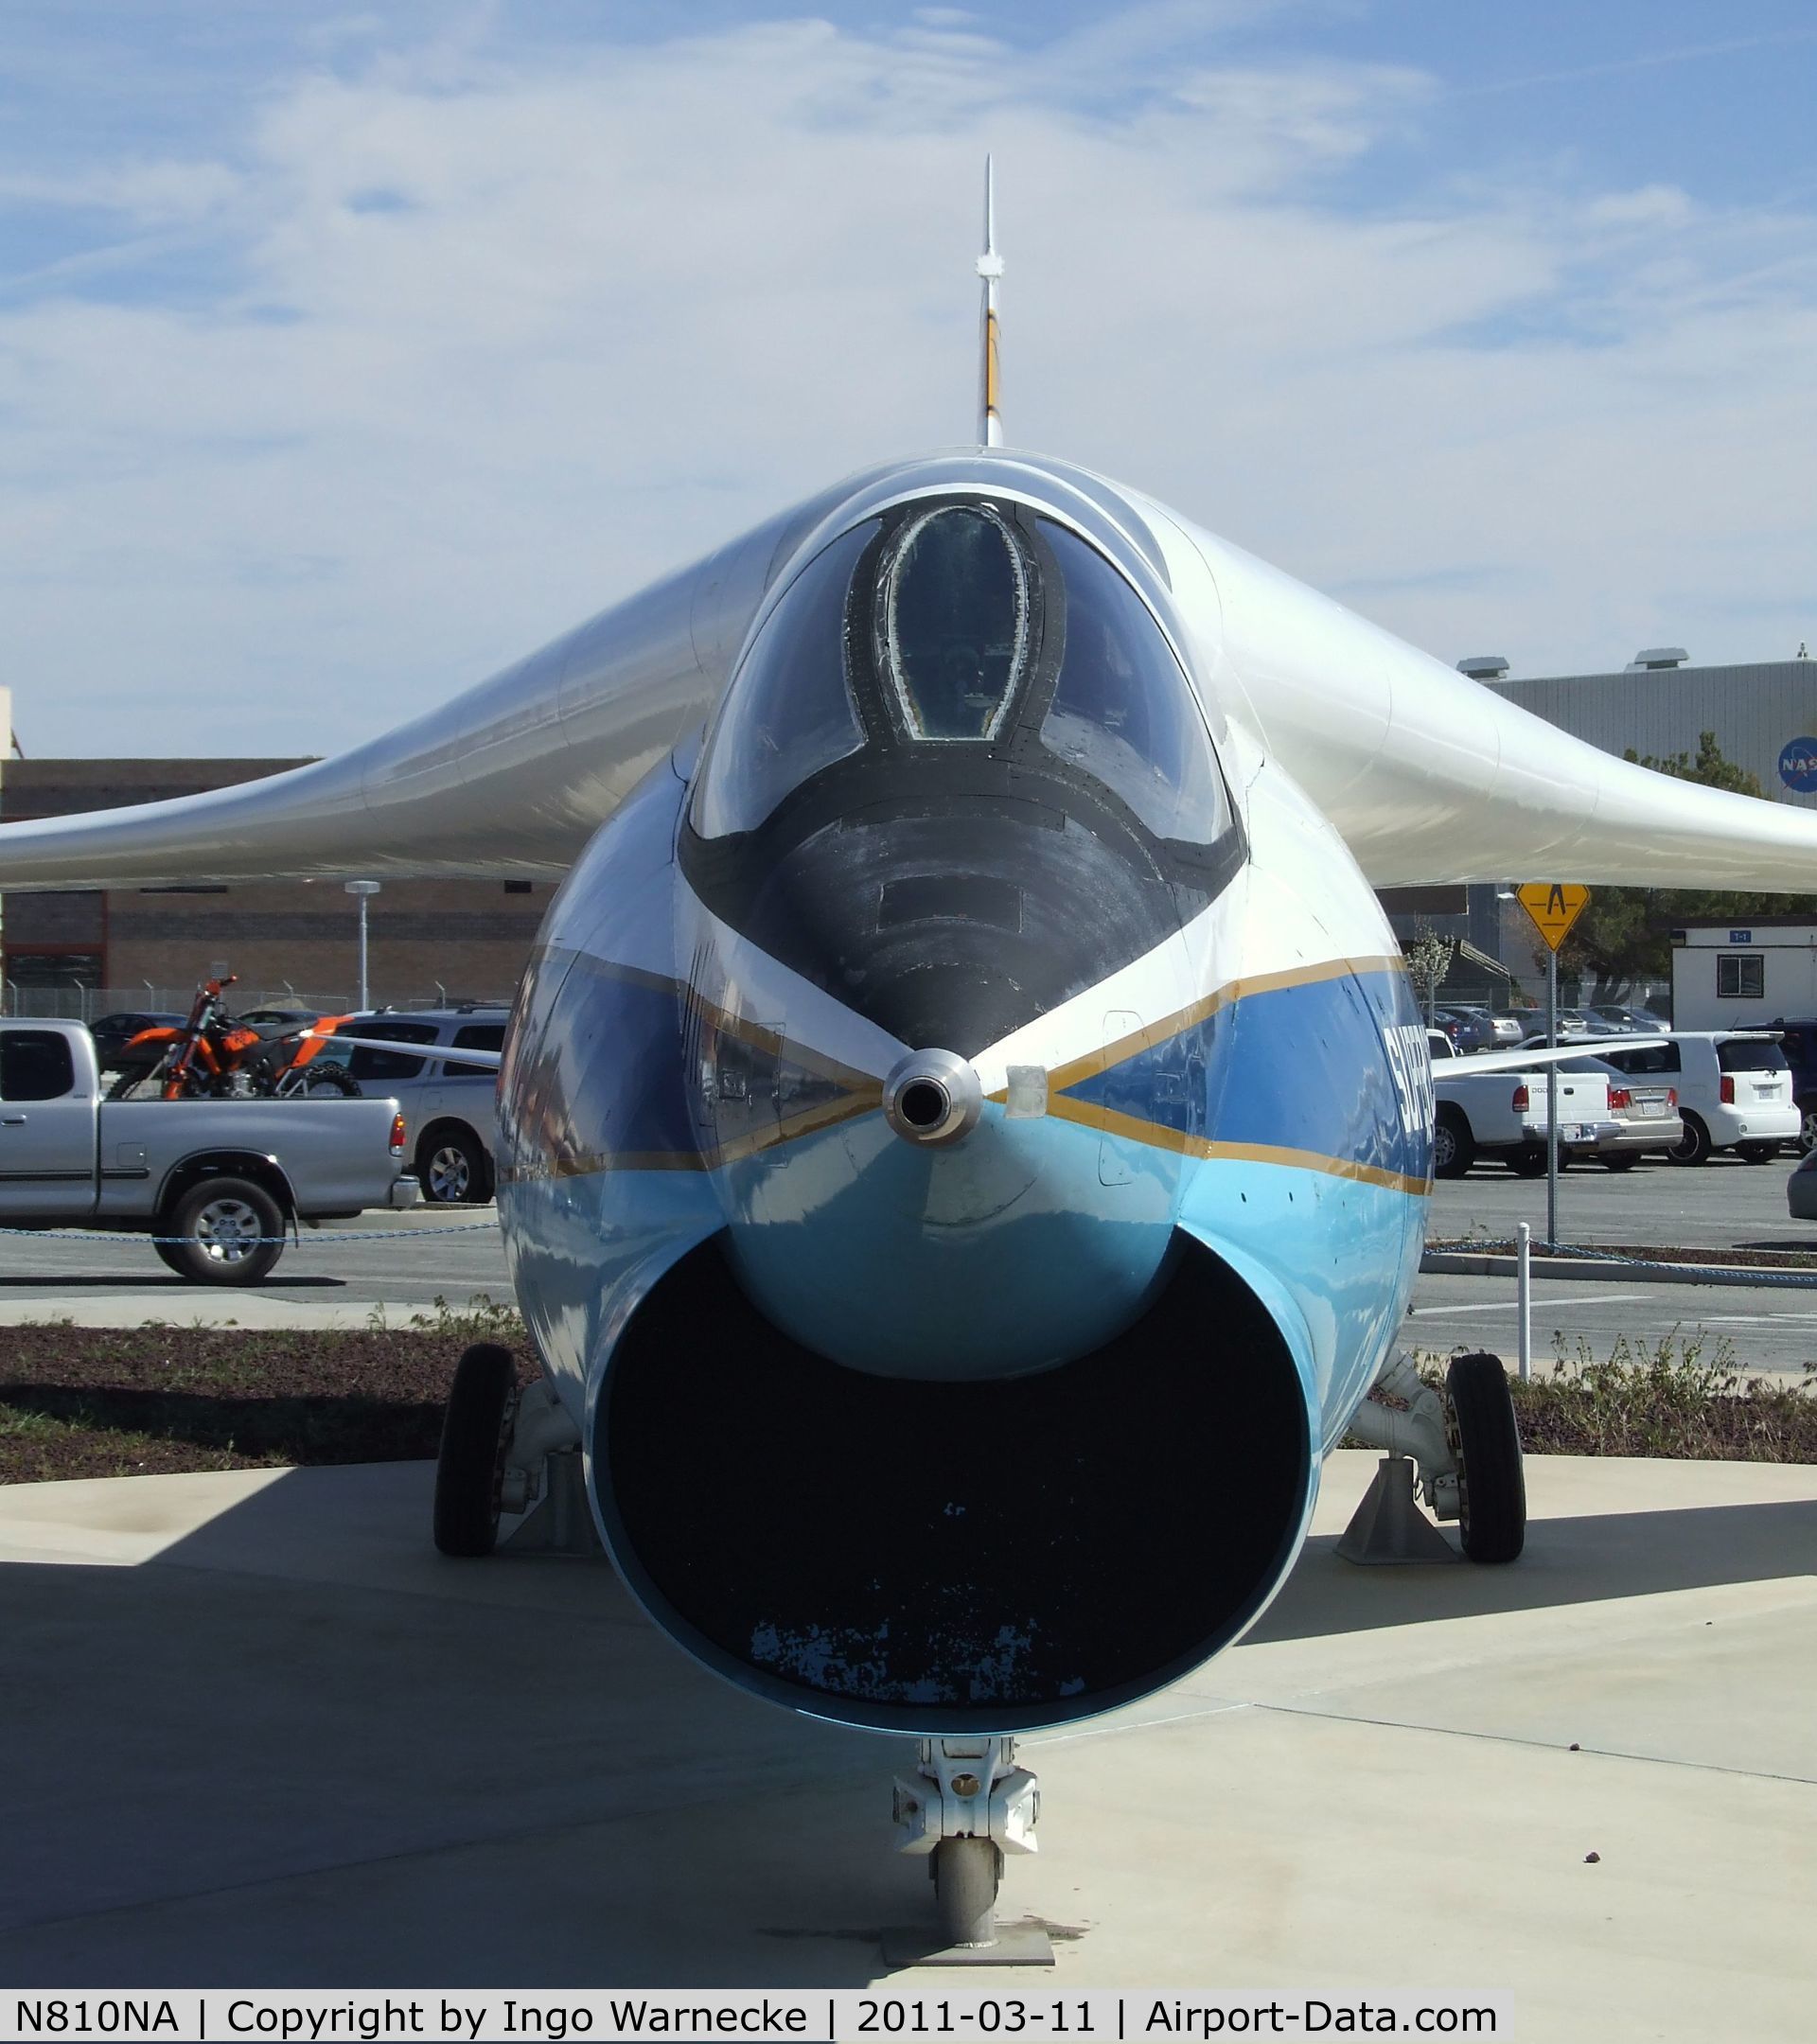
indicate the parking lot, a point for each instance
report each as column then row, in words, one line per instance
column 334, row 1277
column 331, row 1276
column 1724, row 1205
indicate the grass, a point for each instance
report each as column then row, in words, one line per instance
column 1680, row 1397
column 156, row 1398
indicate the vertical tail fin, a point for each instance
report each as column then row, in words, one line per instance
column 990, row 268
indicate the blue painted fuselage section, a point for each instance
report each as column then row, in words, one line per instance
column 659, row 1090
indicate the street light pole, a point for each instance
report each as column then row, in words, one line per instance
column 364, row 890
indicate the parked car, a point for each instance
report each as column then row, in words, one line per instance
column 1798, row 1040
column 1508, row 1028
column 1470, row 1029
column 1631, row 1021
column 451, row 1105
column 113, row 1032
column 1801, row 1189
column 1501, row 1115
column 218, row 1183
column 1734, row 1091
column 1646, row 1109
column 1571, row 1027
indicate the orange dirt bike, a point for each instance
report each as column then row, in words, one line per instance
column 214, row 1057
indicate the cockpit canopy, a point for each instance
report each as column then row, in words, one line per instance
column 945, row 636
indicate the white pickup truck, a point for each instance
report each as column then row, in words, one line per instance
column 227, row 1177
column 1502, row 1114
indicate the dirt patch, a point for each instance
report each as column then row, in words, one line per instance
column 151, row 1401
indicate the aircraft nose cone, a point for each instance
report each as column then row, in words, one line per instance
column 932, row 1099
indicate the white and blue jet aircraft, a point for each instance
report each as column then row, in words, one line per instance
column 966, row 1133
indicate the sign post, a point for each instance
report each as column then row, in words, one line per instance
column 1554, row 907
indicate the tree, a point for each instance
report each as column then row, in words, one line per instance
column 1428, row 958
column 1625, row 934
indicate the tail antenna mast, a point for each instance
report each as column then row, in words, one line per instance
column 989, row 269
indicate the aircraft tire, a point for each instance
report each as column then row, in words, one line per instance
column 1530, row 1160
column 1454, row 1148
column 966, row 1872
column 470, row 1467
column 1758, row 1153
column 1621, row 1160
column 1491, row 1485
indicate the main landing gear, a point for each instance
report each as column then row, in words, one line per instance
column 1464, row 1445
column 965, row 1806
column 506, row 1450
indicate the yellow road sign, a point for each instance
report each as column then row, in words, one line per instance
column 1554, row 907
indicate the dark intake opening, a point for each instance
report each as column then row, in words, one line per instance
column 942, row 1556
column 923, row 1103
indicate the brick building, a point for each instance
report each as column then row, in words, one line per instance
column 84, row 953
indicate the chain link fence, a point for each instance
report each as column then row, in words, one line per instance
column 88, row 1004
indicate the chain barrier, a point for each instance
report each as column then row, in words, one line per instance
column 1793, row 1281
column 253, row 1241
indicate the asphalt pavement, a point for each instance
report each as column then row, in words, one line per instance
column 338, row 1277
column 333, row 1276
column 1723, row 1206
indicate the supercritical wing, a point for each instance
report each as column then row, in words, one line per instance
column 1430, row 777
column 512, row 777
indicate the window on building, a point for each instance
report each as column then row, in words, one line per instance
column 35, row 1064
column 475, row 1036
column 1740, row 976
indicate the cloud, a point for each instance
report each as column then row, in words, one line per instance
column 443, row 344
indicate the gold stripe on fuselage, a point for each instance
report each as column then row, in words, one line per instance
column 1078, row 1069
column 1206, row 1149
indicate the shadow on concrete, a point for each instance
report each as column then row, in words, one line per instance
column 298, row 1429
column 1583, row 1560
column 301, row 1749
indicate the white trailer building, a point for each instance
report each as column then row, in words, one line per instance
column 1743, row 975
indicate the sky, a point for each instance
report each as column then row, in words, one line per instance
column 347, row 356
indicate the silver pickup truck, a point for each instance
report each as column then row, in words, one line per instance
column 226, row 1178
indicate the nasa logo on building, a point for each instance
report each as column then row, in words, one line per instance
column 1798, row 765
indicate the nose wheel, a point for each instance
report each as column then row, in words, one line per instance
column 967, row 1805
column 967, row 1874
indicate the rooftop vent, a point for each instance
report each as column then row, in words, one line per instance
column 1658, row 656
column 1483, row 666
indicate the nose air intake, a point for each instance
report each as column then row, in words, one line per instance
column 932, row 1099
column 977, row 1556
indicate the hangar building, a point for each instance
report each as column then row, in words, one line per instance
column 1764, row 713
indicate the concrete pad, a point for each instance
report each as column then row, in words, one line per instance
column 262, row 1736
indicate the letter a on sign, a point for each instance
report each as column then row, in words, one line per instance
column 1554, row 907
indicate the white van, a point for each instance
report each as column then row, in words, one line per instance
column 1734, row 1091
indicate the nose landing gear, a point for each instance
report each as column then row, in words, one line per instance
column 965, row 1808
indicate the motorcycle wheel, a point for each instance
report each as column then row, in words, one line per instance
column 327, row 1082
